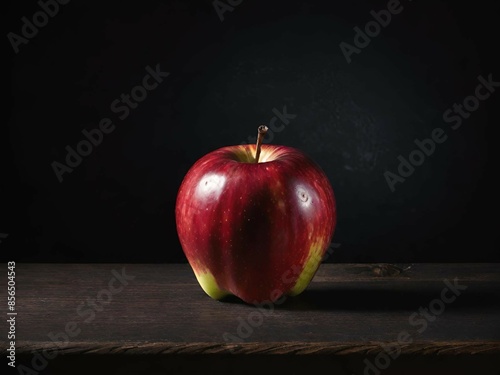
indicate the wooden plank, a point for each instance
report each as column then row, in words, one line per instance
column 266, row 348
column 348, row 308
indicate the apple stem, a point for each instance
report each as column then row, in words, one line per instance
column 262, row 130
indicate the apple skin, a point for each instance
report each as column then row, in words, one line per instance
column 255, row 230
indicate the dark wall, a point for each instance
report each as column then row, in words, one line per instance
column 226, row 77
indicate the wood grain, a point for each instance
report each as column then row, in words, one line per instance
column 348, row 308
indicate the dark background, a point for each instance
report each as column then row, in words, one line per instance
column 225, row 79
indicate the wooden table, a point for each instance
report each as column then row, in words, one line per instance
column 154, row 318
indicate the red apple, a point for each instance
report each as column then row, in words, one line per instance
column 255, row 221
